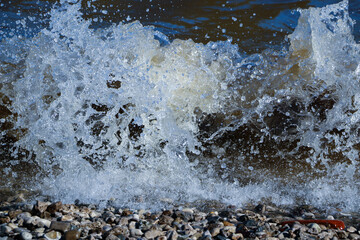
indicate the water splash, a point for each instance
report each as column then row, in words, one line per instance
column 121, row 112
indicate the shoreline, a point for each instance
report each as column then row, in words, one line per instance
column 55, row 220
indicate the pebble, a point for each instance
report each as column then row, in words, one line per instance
column 72, row 235
column 71, row 221
column 53, row 235
column 26, row 236
column 351, row 229
column 60, row 226
column 43, row 223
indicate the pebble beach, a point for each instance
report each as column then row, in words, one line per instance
column 55, row 220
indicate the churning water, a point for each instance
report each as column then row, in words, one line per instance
column 124, row 111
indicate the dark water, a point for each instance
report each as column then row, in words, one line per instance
column 254, row 25
column 233, row 101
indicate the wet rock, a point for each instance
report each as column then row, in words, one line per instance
column 4, row 220
column 309, row 215
column 260, row 208
column 15, row 213
column 172, row 235
column 354, row 236
column 164, row 219
column 342, row 234
column 153, row 234
column 60, row 226
column 24, row 215
column 314, row 228
column 12, row 225
column 72, row 235
column 351, row 229
column 5, row 229
column 54, row 207
column 43, row 223
column 215, row 231
column 106, row 228
column 237, row 236
column 66, row 218
column 25, row 236
column 41, row 206
column 20, row 230
column 94, row 214
column 53, row 235
column 136, row 232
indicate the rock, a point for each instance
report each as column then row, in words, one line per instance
column 72, row 235
column 20, row 230
column 342, row 234
column 43, row 223
column 153, row 234
column 25, row 236
column 260, row 208
column 53, row 235
column 41, row 206
column 135, row 217
column 111, row 237
column 162, row 238
column 136, row 232
column 28, row 207
column 5, row 230
column 314, row 228
column 54, row 207
column 60, row 226
column 172, row 235
column 12, row 225
column 164, row 219
column 351, row 229
column 66, row 218
column 215, row 231
column 124, row 221
column 230, row 229
column 354, row 236
column 106, row 228
column 14, row 214
column 123, row 230
column 132, row 225
column 309, row 215
column 94, row 214
column 5, row 219
column 237, row 236
column 39, row 230
column 23, row 215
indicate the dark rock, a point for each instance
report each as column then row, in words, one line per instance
column 54, row 207
column 260, row 208
column 243, row 218
column 5, row 220
column 165, row 219
column 60, row 226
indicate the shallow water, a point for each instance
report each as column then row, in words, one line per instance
column 232, row 101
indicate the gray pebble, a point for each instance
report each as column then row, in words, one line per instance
column 25, row 236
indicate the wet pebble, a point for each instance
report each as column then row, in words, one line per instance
column 53, row 235
column 88, row 222
column 26, row 236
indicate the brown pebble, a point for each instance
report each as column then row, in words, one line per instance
column 60, row 226
column 72, row 235
column 226, row 223
column 5, row 220
column 54, row 207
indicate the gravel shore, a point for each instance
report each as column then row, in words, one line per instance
column 55, row 220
